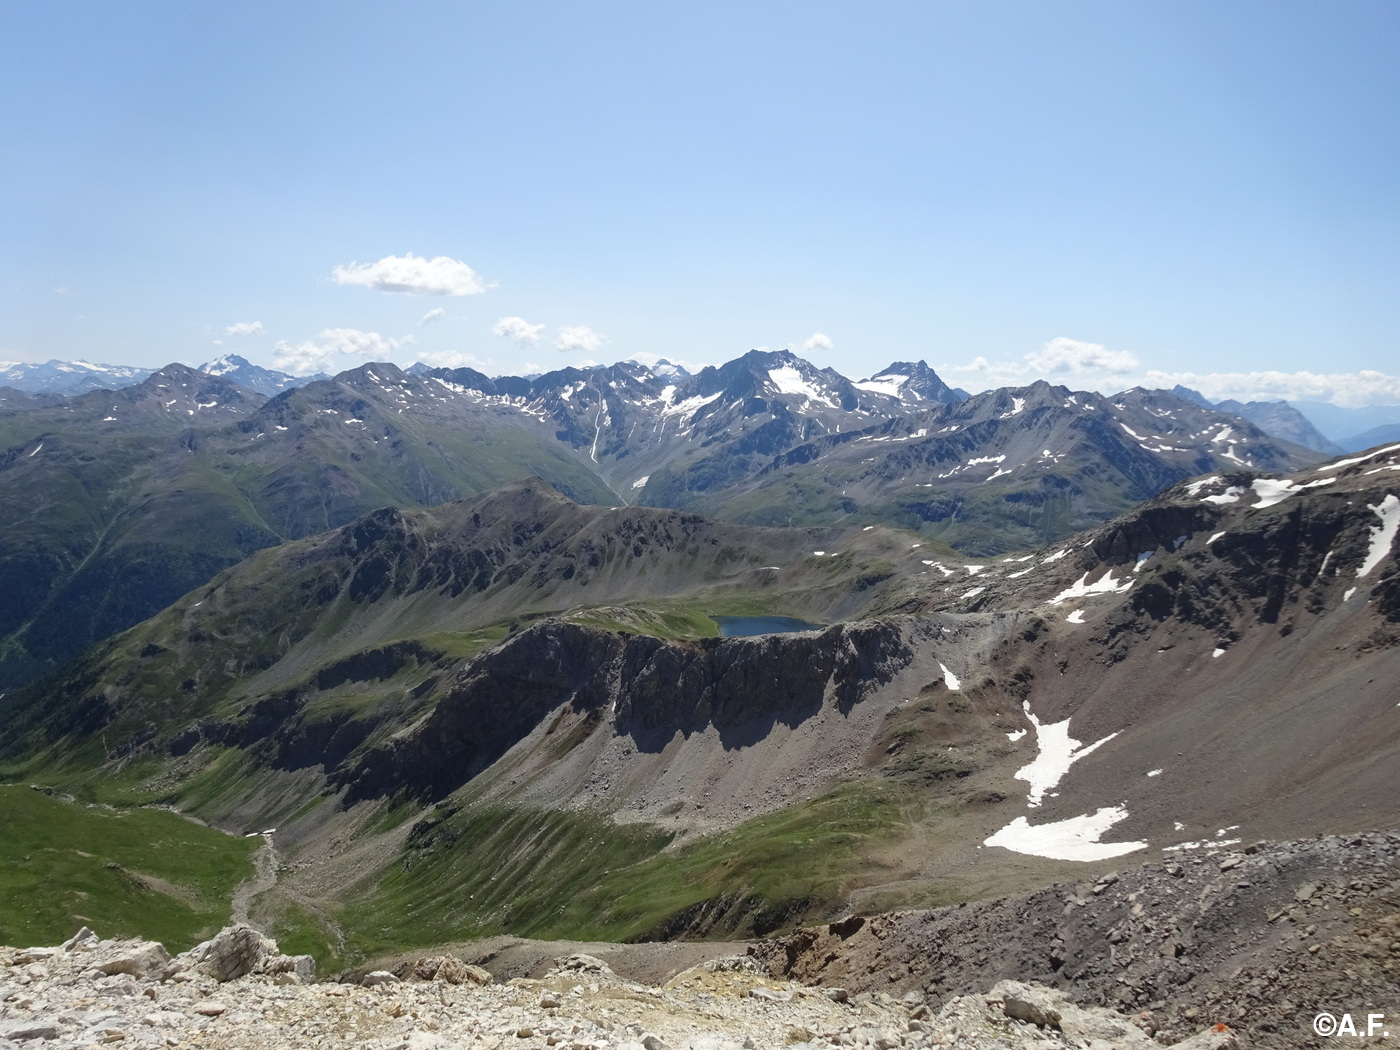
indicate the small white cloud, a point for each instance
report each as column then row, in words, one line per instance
column 529, row 368
column 433, row 316
column 63, row 289
column 453, row 359
column 218, row 342
column 317, row 354
column 579, row 337
column 412, row 275
column 1061, row 355
column 1346, row 389
column 519, row 329
column 817, row 341
column 990, row 373
column 244, row 328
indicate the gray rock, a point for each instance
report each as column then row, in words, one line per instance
column 22, row 1032
column 377, row 977
column 233, row 952
column 82, row 940
column 141, row 959
column 1029, row 1002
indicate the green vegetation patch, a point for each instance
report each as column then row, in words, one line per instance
column 578, row 876
column 125, row 873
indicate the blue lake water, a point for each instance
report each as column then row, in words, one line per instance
column 746, row 626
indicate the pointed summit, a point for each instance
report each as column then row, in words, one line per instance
column 913, row 381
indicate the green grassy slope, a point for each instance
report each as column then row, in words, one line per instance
column 123, row 872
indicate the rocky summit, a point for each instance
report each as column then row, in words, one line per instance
column 235, row 993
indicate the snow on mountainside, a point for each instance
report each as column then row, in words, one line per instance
column 254, row 377
column 68, row 377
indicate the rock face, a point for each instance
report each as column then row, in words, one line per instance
column 240, row 950
column 581, row 1003
column 740, row 686
column 1254, row 938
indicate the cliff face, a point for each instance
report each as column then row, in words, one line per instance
column 644, row 688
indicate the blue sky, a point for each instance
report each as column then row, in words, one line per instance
column 1099, row 193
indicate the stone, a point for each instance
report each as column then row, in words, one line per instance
column 209, row 1008
column 1028, row 1002
column 1216, row 1037
column 140, row 959
column 377, row 977
column 770, row 995
column 82, row 940
column 22, row 1032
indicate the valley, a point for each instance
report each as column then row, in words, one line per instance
column 475, row 692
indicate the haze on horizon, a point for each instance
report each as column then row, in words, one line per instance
column 1102, row 195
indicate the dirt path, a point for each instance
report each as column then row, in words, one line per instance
column 264, row 878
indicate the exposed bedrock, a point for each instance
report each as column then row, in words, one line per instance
column 648, row 688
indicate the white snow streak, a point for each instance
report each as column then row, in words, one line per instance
column 950, row 679
column 1382, row 535
column 1056, row 752
column 1074, row 839
column 1106, row 584
column 1075, row 617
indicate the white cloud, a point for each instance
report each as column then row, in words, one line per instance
column 218, row 342
column 817, row 341
column 453, row 359
column 245, row 328
column 579, row 337
column 1091, row 365
column 1347, row 389
column 519, row 329
column 413, row 276
column 1061, row 355
column 433, row 316
column 317, row 354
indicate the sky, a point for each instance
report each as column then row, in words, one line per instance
column 1102, row 194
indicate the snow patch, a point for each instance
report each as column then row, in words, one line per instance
column 1349, row 592
column 1015, row 736
column 1214, row 536
column 952, row 681
column 1106, row 584
column 1359, row 459
column 1216, row 653
column 1055, row 557
column 1154, row 772
column 1074, row 839
column 36, row 450
column 1230, row 495
column 789, row 380
column 889, row 385
column 1382, row 535
column 1056, row 752
column 641, row 482
column 1271, row 492
column 974, row 592
column 1075, row 617
column 1142, row 560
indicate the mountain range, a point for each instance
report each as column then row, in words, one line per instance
column 147, row 491
column 505, row 714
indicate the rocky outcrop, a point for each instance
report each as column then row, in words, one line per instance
column 240, row 950
column 652, row 689
column 1256, row 939
column 47, row 994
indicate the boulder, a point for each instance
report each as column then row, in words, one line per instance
column 231, row 953
column 144, row 960
column 377, row 977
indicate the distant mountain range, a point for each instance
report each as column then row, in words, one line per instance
column 118, row 501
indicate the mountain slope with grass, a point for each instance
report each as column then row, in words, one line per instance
column 1214, row 666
